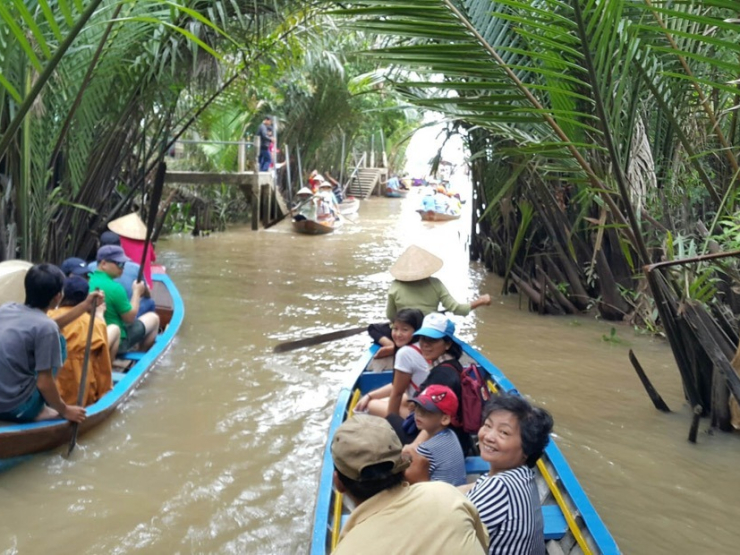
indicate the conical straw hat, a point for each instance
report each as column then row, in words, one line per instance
column 414, row 264
column 129, row 226
column 12, row 278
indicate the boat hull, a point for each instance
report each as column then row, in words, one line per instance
column 18, row 440
column 311, row 227
column 432, row 216
column 349, row 206
column 571, row 522
column 395, row 194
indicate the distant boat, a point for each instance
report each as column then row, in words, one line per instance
column 395, row 193
column 432, row 216
column 312, row 227
column 571, row 524
column 17, row 441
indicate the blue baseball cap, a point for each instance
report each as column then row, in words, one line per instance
column 112, row 253
column 76, row 289
column 436, row 326
column 75, row 266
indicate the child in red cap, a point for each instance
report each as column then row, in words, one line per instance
column 440, row 458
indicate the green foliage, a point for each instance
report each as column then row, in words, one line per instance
column 612, row 337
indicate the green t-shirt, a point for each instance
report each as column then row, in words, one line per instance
column 116, row 300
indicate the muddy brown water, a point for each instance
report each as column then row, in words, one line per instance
column 219, row 449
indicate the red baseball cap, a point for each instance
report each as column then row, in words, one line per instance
column 438, row 398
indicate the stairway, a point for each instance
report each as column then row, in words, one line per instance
column 365, row 182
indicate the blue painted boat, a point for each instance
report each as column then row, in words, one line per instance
column 18, row 441
column 572, row 525
column 395, row 193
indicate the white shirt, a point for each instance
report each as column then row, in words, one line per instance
column 410, row 361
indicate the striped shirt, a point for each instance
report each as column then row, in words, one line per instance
column 446, row 459
column 509, row 507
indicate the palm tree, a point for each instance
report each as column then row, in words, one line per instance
column 88, row 100
column 584, row 116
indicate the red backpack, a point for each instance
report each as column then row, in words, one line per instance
column 474, row 395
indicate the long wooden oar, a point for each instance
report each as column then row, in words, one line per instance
column 316, row 339
column 152, row 219
column 291, row 212
column 83, row 378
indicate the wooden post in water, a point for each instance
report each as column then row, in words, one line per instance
column 300, row 168
column 256, row 186
column 287, row 175
column 341, row 162
column 268, row 209
column 655, row 397
column 694, row 429
column 242, row 156
column 384, row 159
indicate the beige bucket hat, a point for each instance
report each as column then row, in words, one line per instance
column 363, row 441
column 414, row 264
column 129, row 226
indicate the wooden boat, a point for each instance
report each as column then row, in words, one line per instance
column 20, row 440
column 349, row 206
column 312, row 227
column 395, row 193
column 572, row 525
column 432, row 216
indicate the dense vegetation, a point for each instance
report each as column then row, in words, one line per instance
column 604, row 138
column 94, row 92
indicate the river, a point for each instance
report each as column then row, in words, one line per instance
column 219, row 450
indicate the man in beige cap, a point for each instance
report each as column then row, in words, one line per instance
column 391, row 516
column 414, row 287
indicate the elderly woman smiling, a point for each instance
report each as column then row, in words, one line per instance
column 513, row 436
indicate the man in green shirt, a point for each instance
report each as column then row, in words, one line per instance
column 120, row 313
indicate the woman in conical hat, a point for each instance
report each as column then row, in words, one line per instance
column 129, row 226
column 414, row 287
column 133, row 236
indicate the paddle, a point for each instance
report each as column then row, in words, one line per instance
column 316, row 339
column 83, row 378
column 291, row 212
column 152, row 219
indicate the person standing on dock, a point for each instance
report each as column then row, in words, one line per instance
column 264, row 132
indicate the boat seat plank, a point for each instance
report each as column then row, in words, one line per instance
column 555, row 523
column 476, row 465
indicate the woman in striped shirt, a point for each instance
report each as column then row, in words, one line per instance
column 513, row 436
